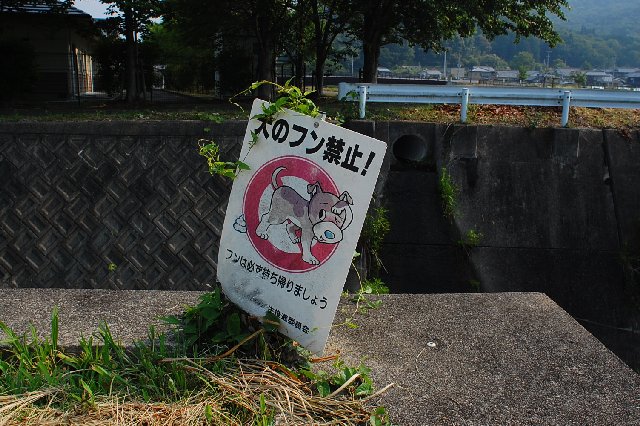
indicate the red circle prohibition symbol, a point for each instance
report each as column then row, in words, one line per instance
column 278, row 250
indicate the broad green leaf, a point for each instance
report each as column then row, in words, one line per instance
column 323, row 388
column 208, row 413
column 242, row 166
column 234, row 327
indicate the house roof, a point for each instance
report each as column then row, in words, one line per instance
column 507, row 74
column 566, row 72
column 37, row 8
column 598, row 74
column 482, row 69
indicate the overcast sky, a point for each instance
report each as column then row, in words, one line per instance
column 92, row 7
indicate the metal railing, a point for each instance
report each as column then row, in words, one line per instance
column 408, row 93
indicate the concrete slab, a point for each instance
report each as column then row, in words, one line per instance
column 502, row 358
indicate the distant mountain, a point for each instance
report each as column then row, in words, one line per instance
column 610, row 17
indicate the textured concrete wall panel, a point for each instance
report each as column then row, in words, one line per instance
column 111, row 205
column 528, row 189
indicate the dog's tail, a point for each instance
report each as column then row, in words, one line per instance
column 274, row 176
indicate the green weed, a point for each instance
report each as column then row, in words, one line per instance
column 211, row 152
column 361, row 300
column 475, row 286
column 167, row 368
column 448, row 193
column 288, row 96
column 471, row 239
column 375, row 229
column 534, row 120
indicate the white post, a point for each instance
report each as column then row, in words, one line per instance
column 444, row 66
column 362, row 98
column 566, row 100
column 465, row 105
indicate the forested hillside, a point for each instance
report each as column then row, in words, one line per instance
column 596, row 34
column 612, row 17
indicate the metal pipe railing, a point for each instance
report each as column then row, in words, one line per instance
column 413, row 93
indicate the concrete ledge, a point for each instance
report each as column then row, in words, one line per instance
column 502, row 358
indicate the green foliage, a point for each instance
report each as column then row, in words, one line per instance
column 470, row 240
column 264, row 417
column 102, row 366
column 211, row 152
column 534, row 119
column 215, row 326
column 374, row 286
column 349, row 108
column 212, row 323
column 289, row 96
column 590, row 15
column 109, row 55
column 361, row 300
column 188, row 62
column 522, row 73
column 448, row 193
column 580, row 79
column 354, row 380
column 234, row 72
column 473, row 238
column 156, row 370
column 523, row 60
column 430, row 23
column 375, row 229
column 379, row 417
column 209, row 116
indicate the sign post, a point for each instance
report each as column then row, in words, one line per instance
column 293, row 220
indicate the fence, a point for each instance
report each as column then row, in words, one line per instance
column 488, row 95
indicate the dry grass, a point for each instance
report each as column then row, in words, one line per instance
column 520, row 116
column 252, row 392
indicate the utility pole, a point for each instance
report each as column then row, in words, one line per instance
column 548, row 59
column 444, row 66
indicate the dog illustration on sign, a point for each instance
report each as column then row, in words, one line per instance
column 323, row 217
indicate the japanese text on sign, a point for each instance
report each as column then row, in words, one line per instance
column 334, row 148
column 293, row 220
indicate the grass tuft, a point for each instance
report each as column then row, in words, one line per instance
column 217, row 367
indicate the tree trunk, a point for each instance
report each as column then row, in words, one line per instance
column 299, row 70
column 320, row 61
column 131, row 56
column 299, row 58
column 266, row 57
column 377, row 24
column 265, row 71
column 370, row 68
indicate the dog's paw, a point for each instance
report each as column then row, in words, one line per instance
column 310, row 259
column 263, row 235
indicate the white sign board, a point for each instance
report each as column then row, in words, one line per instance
column 293, row 220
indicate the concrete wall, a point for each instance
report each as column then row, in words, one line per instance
column 78, row 197
column 556, row 208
